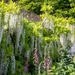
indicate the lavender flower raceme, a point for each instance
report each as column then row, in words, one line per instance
column 45, row 66
column 47, row 63
column 47, row 60
column 26, row 67
column 36, row 56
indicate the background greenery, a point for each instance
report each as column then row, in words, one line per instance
column 62, row 13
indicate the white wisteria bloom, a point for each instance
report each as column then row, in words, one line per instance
column 72, row 28
column 48, row 23
column 12, row 21
column 13, row 67
column 3, row 68
column 1, row 33
column 63, row 40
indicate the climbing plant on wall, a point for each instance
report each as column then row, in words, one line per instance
column 31, row 47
